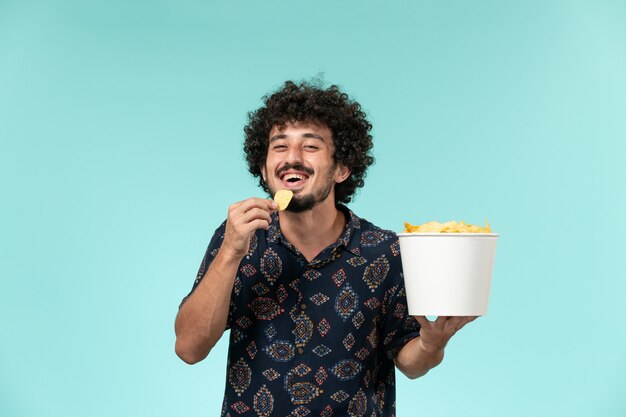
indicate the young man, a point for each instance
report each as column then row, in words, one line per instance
column 313, row 295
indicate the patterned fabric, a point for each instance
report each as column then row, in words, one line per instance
column 315, row 338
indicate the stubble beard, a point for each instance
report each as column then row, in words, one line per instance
column 302, row 203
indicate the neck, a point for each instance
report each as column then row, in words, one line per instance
column 313, row 230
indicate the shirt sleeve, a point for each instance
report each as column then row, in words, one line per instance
column 398, row 326
column 211, row 252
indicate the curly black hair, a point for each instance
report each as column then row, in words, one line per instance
column 307, row 102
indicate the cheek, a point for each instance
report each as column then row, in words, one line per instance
column 270, row 166
column 271, row 160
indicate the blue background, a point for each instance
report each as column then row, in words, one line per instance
column 121, row 149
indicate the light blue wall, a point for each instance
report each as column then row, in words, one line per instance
column 120, row 150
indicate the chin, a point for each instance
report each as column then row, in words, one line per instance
column 301, row 204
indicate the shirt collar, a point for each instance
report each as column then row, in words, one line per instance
column 351, row 236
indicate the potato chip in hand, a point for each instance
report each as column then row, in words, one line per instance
column 282, row 198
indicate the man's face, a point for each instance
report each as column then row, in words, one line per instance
column 300, row 159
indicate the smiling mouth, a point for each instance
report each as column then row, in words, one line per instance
column 292, row 180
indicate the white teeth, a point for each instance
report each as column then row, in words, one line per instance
column 293, row 176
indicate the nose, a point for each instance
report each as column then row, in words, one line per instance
column 294, row 155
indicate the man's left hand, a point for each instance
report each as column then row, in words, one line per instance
column 435, row 335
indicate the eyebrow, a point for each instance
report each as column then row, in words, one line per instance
column 305, row 135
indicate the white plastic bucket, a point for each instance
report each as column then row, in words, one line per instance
column 447, row 274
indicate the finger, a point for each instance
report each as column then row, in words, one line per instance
column 260, row 224
column 254, row 214
column 441, row 320
column 457, row 323
column 450, row 326
column 242, row 207
column 243, row 216
column 423, row 321
column 262, row 203
column 239, row 218
column 245, row 229
column 465, row 321
column 255, row 219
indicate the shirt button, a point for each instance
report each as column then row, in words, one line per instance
column 303, row 306
column 300, row 351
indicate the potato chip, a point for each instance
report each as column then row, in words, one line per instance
column 448, row 227
column 282, row 198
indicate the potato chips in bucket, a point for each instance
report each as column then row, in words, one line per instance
column 447, row 268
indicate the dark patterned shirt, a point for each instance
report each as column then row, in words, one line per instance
column 315, row 338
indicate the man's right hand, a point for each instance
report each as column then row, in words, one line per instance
column 201, row 321
column 244, row 218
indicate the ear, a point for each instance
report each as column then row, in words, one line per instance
column 342, row 173
column 264, row 173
